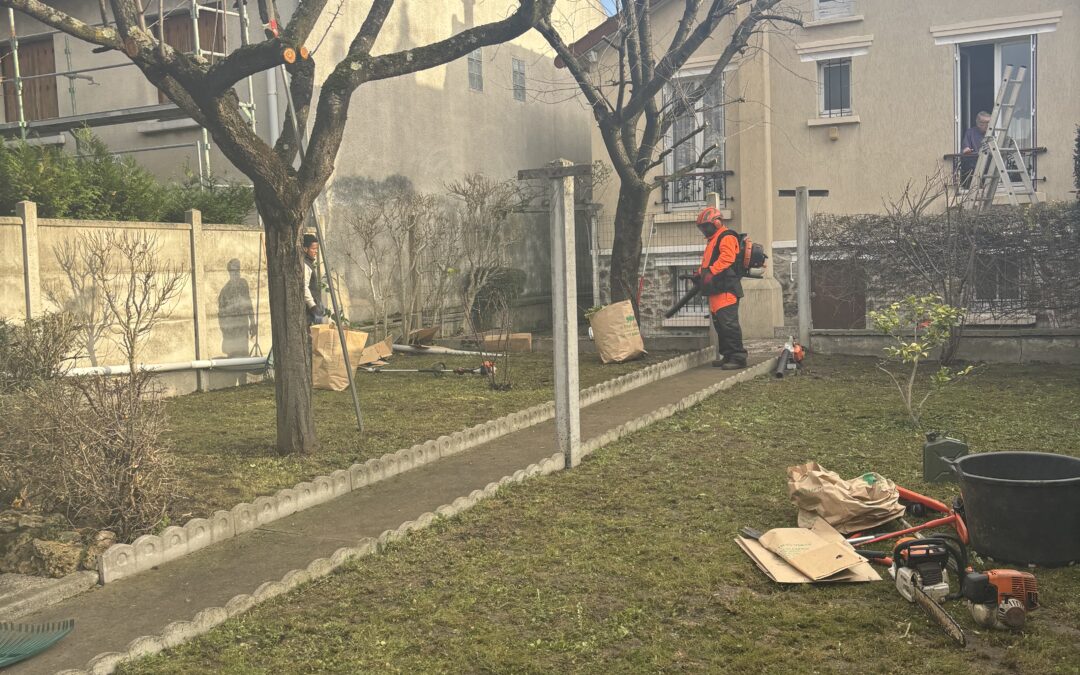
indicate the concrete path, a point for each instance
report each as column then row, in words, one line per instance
column 109, row 618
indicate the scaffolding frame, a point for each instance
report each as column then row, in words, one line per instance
column 161, row 112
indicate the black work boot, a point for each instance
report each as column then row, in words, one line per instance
column 719, row 363
column 732, row 364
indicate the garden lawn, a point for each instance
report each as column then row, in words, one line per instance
column 627, row 564
column 223, row 441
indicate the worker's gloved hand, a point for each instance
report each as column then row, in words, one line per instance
column 695, row 278
column 706, row 278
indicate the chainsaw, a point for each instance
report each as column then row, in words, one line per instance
column 919, row 568
column 999, row 598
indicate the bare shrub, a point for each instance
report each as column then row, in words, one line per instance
column 91, row 447
column 484, row 212
column 36, row 350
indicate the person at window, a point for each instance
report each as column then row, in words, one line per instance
column 719, row 280
column 969, row 148
column 312, row 292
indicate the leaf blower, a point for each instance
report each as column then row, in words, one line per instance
column 791, row 357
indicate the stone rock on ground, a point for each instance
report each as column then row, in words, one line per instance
column 57, row 559
column 46, row 545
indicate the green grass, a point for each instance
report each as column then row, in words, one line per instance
column 626, row 564
column 223, row 440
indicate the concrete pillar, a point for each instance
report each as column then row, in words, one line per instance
column 198, row 288
column 27, row 212
column 802, row 250
column 564, row 309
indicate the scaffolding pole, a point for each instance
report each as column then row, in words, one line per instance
column 15, row 69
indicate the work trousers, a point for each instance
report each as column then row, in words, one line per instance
column 729, row 333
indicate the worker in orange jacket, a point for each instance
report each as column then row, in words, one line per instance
column 720, row 280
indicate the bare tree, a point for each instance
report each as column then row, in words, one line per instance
column 411, row 215
column 441, row 261
column 204, row 90
column 135, row 285
column 92, row 446
column 484, row 213
column 634, row 115
column 78, row 293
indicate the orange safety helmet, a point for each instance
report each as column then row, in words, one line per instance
column 709, row 221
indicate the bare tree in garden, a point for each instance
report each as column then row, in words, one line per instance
column 283, row 192
column 78, row 293
column 411, row 218
column 484, row 211
column 632, row 112
column 368, row 228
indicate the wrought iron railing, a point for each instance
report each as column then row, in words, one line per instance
column 964, row 165
column 690, row 189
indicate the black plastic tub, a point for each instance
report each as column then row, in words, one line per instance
column 1022, row 507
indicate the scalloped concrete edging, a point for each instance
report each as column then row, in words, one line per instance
column 179, row 632
column 151, row 550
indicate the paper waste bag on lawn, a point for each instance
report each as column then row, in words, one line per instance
column 328, row 370
column 848, row 505
column 616, row 333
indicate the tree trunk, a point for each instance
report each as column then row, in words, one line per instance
column 289, row 327
column 626, row 249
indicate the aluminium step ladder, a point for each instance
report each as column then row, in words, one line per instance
column 999, row 156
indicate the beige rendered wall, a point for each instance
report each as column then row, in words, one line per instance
column 903, row 94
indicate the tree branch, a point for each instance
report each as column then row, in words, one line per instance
column 104, row 36
column 244, row 62
column 599, row 104
column 699, row 163
column 356, row 71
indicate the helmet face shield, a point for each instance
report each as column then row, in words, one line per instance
column 708, row 221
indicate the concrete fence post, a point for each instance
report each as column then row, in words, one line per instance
column 198, row 287
column 564, row 285
column 27, row 212
column 564, row 308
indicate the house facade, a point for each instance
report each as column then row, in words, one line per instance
column 496, row 111
column 864, row 97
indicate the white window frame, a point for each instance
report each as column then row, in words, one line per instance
column 699, row 138
column 833, row 9
column 517, row 71
column 1032, row 76
column 824, row 112
column 476, row 69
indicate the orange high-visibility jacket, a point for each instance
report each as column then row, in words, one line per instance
column 729, row 250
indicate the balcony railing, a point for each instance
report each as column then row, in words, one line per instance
column 690, row 189
column 964, row 165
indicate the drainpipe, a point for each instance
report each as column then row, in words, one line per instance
column 203, row 364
